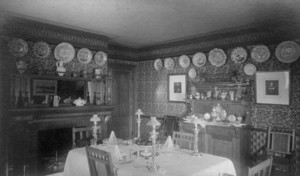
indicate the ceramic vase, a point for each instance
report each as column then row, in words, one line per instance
column 60, row 69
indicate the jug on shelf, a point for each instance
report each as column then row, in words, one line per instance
column 56, row 100
column 60, row 69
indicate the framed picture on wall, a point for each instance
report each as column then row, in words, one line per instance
column 177, row 88
column 44, row 87
column 273, row 87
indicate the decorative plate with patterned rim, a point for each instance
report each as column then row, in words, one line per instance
column 41, row 49
column 192, row 73
column 287, row 52
column 158, row 64
column 260, row 53
column 184, row 61
column 64, row 52
column 199, row 59
column 239, row 55
column 84, row 56
column 250, row 69
column 100, row 58
column 169, row 63
column 217, row 57
column 231, row 118
column 18, row 47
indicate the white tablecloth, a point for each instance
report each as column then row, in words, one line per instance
column 177, row 162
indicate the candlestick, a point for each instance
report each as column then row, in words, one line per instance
column 153, row 122
column 95, row 119
column 139, row 113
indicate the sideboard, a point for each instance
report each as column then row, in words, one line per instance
column 224, row 140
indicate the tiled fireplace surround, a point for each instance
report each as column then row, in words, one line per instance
column 26, row 132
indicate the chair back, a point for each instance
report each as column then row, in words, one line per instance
column 281, row 140
column 170, row 124
column 183, row 140
column 81, row 135
column 262, row 169
column 96, row 158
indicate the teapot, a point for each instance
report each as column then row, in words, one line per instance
column 60, row 68
column 79, row 102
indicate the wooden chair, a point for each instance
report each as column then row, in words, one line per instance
column 169, row 124
column 81, row 136
column 96, row 158
column 281, row 146
column 262, row 169
column 183, row 140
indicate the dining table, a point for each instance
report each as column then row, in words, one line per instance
column 171, row 162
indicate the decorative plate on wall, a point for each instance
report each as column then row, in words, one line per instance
column 239, row 55
column 287, row 52
column 158, row 64
column 84, row 56
column 260, row 53
column 184, row 61
column 217, row 57
column 169, row 63
column 199, row 59
column 100, row 58
column 250, row 69
column 192, row 73
column 64, row 52
column 18, row 47
column 41, row 49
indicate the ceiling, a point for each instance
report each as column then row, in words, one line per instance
column 143, row 23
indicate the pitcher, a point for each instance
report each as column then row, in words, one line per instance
column 56, row 100
column 60, row 69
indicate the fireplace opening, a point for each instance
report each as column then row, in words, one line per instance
column 53, row 147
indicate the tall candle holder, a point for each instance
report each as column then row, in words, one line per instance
column 202, row 123
column 138, row 120
column 95, row 119
column 153, row 122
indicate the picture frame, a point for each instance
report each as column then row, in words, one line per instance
column 177, row 85
column 273, row 87
column 44, row 87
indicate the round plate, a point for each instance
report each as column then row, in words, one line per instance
column 84, row 56
column 199, row 59
column 231, row 118
column 184, row 61
column 158, row 64
column 41, row 49
column 169, row 63
column 100, row 58
column 287, row 52
column 239, row 55
column 217, row 57
column 18, row 47
column 64, row 52
column 192, row 73
column 260, row 53
column 250, row 69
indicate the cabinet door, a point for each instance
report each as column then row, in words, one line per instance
column 220, row 146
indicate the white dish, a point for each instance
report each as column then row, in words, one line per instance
column 84, row 56
column 100, row 58
column 239, row 55
column 231, row 118
column 158, row 64
column 64, row 52
column 192, row 73
column 169, row 63
column 41, row 49
column 217, row 57
column 287, row 52
column 199, row 59
column 250, row 69
column 184, row 61
column 260, row 53
column 18, row 47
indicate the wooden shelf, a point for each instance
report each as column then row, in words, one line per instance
column 243, row 102
column 55, row 77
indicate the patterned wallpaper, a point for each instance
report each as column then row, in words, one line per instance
column 152, row 89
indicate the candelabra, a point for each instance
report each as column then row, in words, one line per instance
column 153, row 122
column 202, row 123
column 139, row 113
column 95, row 119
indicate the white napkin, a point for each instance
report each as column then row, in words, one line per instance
column 112, row 139
column 117, row 153
column 169, row 143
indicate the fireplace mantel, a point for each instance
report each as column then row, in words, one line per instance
column 56, row 113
